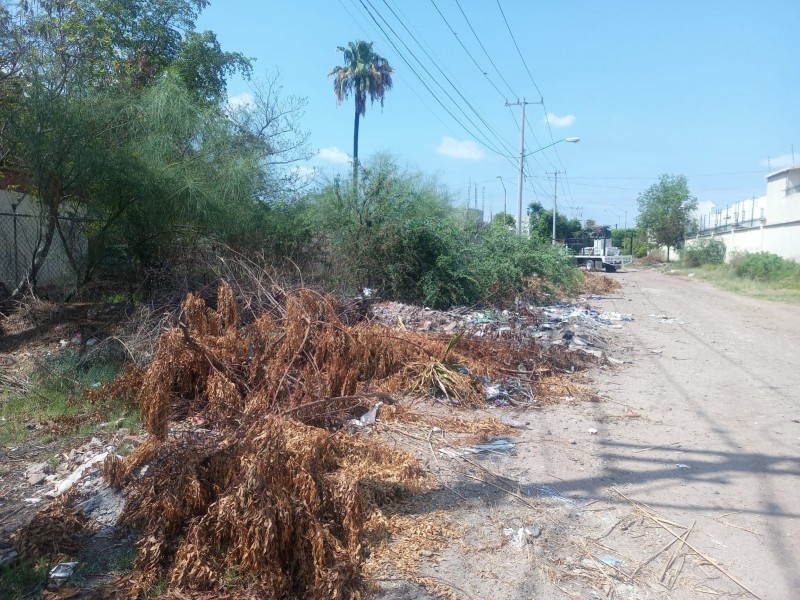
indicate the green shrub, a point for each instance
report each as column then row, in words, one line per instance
column 765, row 266
column 704, row 252
column 398, row 234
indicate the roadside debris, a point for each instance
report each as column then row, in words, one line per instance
column 501, row 445
column 62, row 571
column 522, row 536
column 367, row 418
column 280, row 408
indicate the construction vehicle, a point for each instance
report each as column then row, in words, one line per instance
column 602, row 256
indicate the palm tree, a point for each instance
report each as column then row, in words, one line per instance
column 365, row 73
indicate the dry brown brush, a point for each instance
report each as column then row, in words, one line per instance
column 248, row 480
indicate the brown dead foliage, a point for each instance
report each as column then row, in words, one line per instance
column 598, row 284
column 51, row 532
column 248, row 481
column 248, row 485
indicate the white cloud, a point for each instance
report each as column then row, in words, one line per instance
column 778, row 162
column 460, row 149
column 304, row 172
column 334, row 155
column 557, row 121
column 244, row 100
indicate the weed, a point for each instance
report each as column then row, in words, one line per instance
column 123, row 560
column 725, row 277
column 56, row 396
column 22, row 579
column 704, row 252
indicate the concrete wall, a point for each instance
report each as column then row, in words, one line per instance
column 770, row 223
column 782, row 239
column 17, row 244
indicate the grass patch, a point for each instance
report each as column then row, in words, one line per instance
column 724, row 277
column 22, row 580
column 55, row 397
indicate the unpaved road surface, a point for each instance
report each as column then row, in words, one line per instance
column 697, row 435
column 703, row 426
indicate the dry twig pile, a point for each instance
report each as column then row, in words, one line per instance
column 248, row 480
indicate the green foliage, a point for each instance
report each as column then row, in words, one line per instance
column 766, row 266
column 22, row 579
column 665, row 209
column 704, row 252
column 387, row 235
column 399, row 235
column 112, row 109
column 55, row 391
column 541, row 224
column 365, row 74
column 504, row 220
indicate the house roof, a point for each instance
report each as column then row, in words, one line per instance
column 782, row 171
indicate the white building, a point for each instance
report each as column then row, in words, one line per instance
column 770, row 223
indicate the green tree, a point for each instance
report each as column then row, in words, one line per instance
column 112, row 109
column 541, row 225
column 664, row 211
column 503, row 220
column 365, row 73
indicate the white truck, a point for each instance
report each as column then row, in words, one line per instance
column 602, row 256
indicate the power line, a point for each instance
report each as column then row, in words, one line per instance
column 503, row 79
column 410, row 87
column 438, row 68
column 522, row 58
column 472, row 58
column 486, row 144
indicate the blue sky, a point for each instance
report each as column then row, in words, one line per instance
column 708, row 89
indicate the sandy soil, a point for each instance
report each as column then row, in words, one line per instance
column 699, row 432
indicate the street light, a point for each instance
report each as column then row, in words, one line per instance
column 505, row 198
column 571, row 140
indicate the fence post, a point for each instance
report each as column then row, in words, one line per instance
column 16, row 245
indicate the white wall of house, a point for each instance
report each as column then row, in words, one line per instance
column 770, row 223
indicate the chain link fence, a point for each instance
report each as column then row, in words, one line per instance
column 22, row 234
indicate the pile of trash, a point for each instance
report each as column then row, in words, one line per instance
column 491, row 324
column 253, row 466
column 250, row 465
column 579, row 328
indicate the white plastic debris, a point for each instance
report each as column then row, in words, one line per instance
column 683, row 466
column 500, row 445
column 522, row 536
column 63, row 570
column 367, row 418
column 592, row 431
column 65, row 484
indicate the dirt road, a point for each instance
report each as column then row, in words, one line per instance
column 703, row 427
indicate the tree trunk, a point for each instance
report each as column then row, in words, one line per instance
column 29, row 280
column 355, row 147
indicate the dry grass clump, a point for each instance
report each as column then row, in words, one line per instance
column 482, row 428
column 598, row 284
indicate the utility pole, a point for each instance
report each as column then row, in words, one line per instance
column 521, row 103
column 555, row 200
